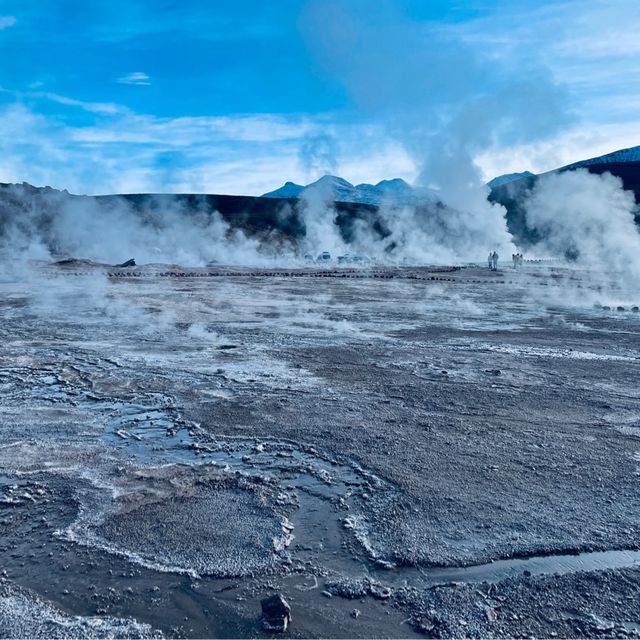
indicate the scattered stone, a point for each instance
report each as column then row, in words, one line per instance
column 355, row 613
column 352, row 588
column 348, row 588
column 276, row 613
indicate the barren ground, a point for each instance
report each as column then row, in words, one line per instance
column 400, row 452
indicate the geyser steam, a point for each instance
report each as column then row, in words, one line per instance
column 446, row 97
column 589, row 219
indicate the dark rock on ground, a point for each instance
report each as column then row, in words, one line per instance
column 276, row 613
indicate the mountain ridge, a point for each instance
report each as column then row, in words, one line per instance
column 394, row 191
column 283, row 219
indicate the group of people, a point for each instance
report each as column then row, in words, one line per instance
column 518, row 260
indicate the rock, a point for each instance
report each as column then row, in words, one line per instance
column 129, row 263
column 276, row 613
column 600, row 624
column 491, row 614
column 379, row 591
column 355, row 613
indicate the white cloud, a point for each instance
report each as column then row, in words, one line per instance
column 6, row 22
column 136, row 77
column 121, row 151
column 592, row 48
column 104, row 108
column 577, row 143
column 187, row 131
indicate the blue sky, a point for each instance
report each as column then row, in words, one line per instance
column 237, row 97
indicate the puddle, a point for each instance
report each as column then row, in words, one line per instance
column 535, row 566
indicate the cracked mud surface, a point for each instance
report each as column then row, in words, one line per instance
column 426, row 447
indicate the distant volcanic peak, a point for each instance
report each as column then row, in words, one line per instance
column 287, row 190
column 332, row 188
column 394, row 192
column 394, row 183
column 393, row 187
column 509, row 177
column 332, row 181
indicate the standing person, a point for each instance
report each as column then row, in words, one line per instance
column 516, row 259
column 495, row 260
column 490, row 260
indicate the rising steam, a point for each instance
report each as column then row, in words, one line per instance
column 587, row 219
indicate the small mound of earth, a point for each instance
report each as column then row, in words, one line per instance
column 223, row 533
column 23, row 615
